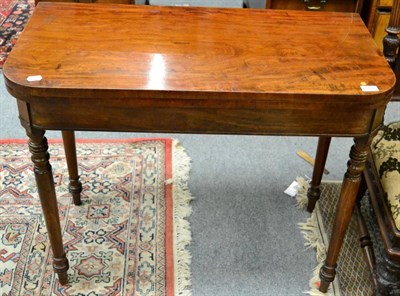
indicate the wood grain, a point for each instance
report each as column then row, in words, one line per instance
column 257, row 54
column 385, row 3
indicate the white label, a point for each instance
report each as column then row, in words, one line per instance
column 34, row 78
column 292, row 189
column 369, row 88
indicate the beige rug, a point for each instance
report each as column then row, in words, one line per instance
column 128, row 237
column 353, row 276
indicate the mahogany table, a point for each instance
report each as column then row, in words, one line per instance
column 196, row 70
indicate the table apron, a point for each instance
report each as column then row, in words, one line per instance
column 340, row 122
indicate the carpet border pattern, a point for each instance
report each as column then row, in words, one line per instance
column 167, row 174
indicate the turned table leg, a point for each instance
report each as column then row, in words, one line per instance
column 75, row 186
column 348, row 195
column 45, row 184
column 314, row 191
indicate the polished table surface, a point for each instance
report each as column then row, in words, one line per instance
column 201, row 70
column 200, row 59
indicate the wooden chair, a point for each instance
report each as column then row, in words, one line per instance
column 385, row 192
column 382, row 180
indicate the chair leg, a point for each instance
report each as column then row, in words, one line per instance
column 75, row 186
column 366, row 244
column 365, row 239
column 314, row 192
column 388, row 277
column 363, row 188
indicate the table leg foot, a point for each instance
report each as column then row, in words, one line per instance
column 327, row 275
column 347, row 200
column 60, row 266
column 314, row 192
column 45, row 184
column 75, row 186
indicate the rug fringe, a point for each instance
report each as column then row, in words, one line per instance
column 312, row 234
column 301, row 196
column 182, row 210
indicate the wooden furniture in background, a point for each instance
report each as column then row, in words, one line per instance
column 379, row 20
column 383, row 194
column 378, row 16
column 383, row 20
column 391, row 44
column 172, row 77
column 327, row 5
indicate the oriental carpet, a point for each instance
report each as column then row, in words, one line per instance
column 128, row 237
column 13, row 16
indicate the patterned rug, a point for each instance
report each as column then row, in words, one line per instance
column 353, row 275
column 129, row 236
column 13, row 16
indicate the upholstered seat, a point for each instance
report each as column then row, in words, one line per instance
column 382, row 180
column 385, row 151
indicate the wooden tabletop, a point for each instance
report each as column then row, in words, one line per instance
column 172, row 51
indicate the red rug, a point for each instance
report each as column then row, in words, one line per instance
column 13, row 16
column 128, row 237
